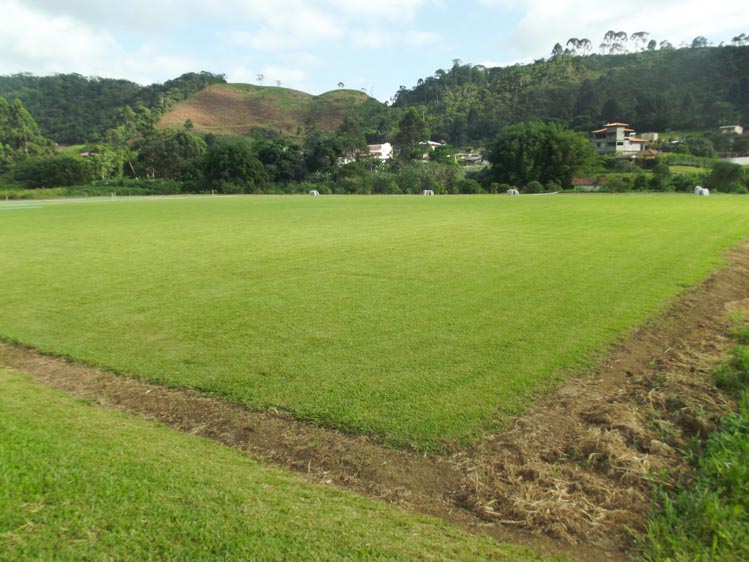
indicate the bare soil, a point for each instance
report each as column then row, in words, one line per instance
column 573, row 476
column 223, row 109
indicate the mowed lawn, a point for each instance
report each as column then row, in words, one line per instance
column 85, row 483
column 421, row 320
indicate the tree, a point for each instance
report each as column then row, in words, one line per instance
column 661, row 178
column 19, row 134
column 535, row 151
column 699, row 42
column 53, row 172
column 411, row 130
column 283, row 162
column 351, row 137
column 167, row 154
column 640, row 38
column 230, row 166
column 727, row 177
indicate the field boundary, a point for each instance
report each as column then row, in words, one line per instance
column 579, row 467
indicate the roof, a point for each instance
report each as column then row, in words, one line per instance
column 608, row 126
column 589, row 181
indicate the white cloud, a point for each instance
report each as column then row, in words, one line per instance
column 55, row 43
column 396, row 10
column 547, row 22
column 133, row 15
column 291, row 28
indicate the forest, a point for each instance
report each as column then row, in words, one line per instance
column 655, row 90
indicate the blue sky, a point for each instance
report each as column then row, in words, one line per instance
column 376, row 45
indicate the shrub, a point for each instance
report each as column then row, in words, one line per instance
column 52, row 172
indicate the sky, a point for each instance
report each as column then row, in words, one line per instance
column 313, row 45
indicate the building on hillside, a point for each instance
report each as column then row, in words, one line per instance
column 382, row 151
column 650, row 137
column 616, row 138
column 470, row 158
column 429, row 146
column 588, row 184
column 732, row 129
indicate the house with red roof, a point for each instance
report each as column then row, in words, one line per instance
column 616, row 138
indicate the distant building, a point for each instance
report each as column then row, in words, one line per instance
column 732, row 129
column 588, row 184
column 382, row 151
column 650, row 137
column 616, row 138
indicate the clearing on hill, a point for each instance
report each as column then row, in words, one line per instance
column 244, row 109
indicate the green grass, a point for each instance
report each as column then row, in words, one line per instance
column 78, row 482
column 708, row 519
column 419, row 320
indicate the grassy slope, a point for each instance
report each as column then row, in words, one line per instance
column 82, row 483
column 416, row 318
column 240, row 108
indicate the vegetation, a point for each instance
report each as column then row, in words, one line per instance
column 536, row 152
column 263, row 112
column 84, row 483
column 658, row 90
column 708, row 519
column 19, row 135
column 71, row 108
column 417, row 320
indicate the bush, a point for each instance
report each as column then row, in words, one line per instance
column 59, row 171
column 534, row 187
column 469, row 187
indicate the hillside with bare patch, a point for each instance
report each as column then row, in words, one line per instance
column 243, row 109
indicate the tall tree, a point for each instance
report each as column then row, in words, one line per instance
column 19, row 134
column 535, row 151
column 411, row 131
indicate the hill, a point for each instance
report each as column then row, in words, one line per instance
column 656, row 90
column 72, row 109
column 261, row 111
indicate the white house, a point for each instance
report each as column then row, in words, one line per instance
column 382, row 151
column 616, row 138
column 732, row 129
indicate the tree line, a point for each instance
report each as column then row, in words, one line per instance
column 655, row 90
column 74, row 109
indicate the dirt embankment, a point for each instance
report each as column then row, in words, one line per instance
column 570, row 476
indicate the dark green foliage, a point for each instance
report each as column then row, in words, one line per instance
column 52, row 172
column 167, row 154
column 19, row 134
column 661, row 178
column 231, row 166
column 351, row 136
column 283, row 162
column 411, row 131
column 468, row 186
column 321, row 152
column 727, row 177
column 71, row 108
column 653, row 90
column 540, row 152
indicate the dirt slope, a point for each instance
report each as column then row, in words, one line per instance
column 243, row 109
column 570, row 476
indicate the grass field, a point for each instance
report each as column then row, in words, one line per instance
column 419, row 320
column 85, row 483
